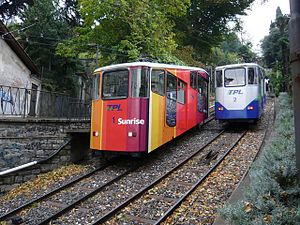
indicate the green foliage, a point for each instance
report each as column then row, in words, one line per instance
column 170, row 31
column 11, row 8
column 231, row 51
column 127, row 30
column 69, row 10
column 186, row 55
column 271, row 47
column 206, row 22
column 274, row 195
column 40, row 41
column 275, row 49
column 246, row 53
column 220, row 57
column 159, row 30
column 276, row 80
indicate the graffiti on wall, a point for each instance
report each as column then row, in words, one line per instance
column 5, row 97
column 6, row 101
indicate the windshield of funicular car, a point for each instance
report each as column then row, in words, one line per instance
column 234, row 77
column 115, row 84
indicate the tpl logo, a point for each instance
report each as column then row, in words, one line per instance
column 235, row 92
column 114, row 107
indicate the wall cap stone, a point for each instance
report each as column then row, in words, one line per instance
column 19, row 119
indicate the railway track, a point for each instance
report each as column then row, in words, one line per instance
column 202, row 206
column 19, row 214
column 13, row 214
column 204, row 156
column 25, row 212
column 168, row 190
column 202, row 162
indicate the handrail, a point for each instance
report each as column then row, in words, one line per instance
column 30, row 164
column 24, row 102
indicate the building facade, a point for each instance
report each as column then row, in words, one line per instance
column 19, row 78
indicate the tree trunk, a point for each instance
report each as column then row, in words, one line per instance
column 294, row 35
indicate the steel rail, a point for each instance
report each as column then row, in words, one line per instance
column 73, row 181
column 177, row 204
column 171, row 210
column 89, row 195
column 142, row 191
column 61, row 212
column 261, row 146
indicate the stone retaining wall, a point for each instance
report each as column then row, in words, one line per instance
column 26, row 140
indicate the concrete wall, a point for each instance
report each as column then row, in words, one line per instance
column 13, row 72
column 26, row 140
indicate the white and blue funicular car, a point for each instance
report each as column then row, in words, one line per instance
column 240, row 92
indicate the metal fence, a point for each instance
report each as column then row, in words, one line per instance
column 23, row 102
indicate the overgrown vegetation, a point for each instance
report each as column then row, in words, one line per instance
column 65, row 37
column 172, row 31
column 274, row 194
column 275, row 49
column 231, row 51
column 41, row 40
column 61, row 35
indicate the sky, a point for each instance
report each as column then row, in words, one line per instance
column 259, row 18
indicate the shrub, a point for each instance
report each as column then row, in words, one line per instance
column 274, row 194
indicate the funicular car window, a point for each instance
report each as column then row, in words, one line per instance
column 171, row 86
column 181, row 89
column 115, row 84
column 202, row 94
column 158, row 82
column 252, row 76
column 96, row 87
column 193, row 80
column 234, row 77
column 260, row 80
column 219, row 79
column 171, row 100
column 140, row 83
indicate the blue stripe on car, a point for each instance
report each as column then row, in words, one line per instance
column 245, row 113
